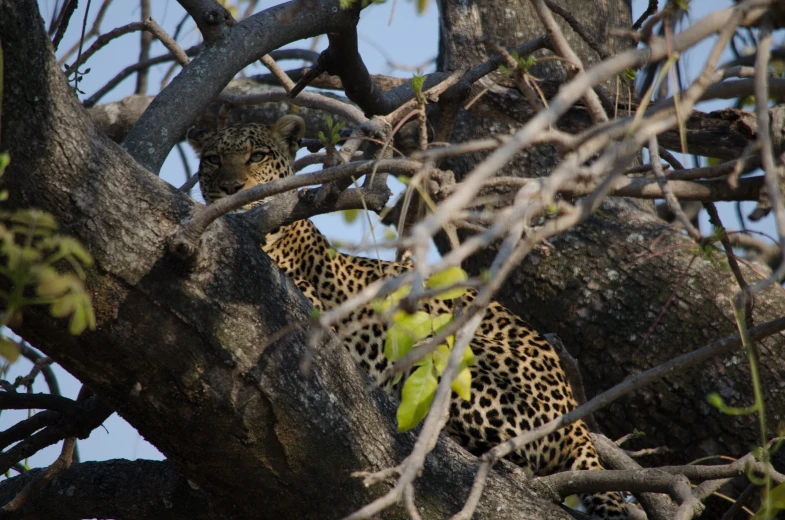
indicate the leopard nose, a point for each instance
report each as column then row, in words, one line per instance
column 232, row 187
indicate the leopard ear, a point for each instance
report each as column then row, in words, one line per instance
column 199, row 138
column 289, row 130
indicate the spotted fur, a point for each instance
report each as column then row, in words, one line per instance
column 517, row 381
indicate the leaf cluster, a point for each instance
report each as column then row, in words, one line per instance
column 333, row 135
column 407, row 330
column 39, row 266
column 522, row 63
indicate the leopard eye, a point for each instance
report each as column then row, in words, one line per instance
column 212, row 159
column 257, row 157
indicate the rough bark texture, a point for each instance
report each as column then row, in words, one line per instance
column 140, row 489
column 117, row 118
column 601, row 288
column 182, row 351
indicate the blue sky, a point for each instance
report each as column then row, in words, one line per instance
column 404, row 38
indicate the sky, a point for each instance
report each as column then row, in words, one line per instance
column 387, row 34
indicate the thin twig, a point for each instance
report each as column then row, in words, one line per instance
column 184, row 242
column 62, row 463
column 767, row 152
column 273, row 67
column 144, row 49
column 667, row 192
column 94, row 31
column 563, row 48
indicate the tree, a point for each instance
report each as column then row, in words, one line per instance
column 199, row 339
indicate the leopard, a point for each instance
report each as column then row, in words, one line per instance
column 517, row 382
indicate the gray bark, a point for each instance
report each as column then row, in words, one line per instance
column 601, row 288
column 181, row 351
column 139, row 489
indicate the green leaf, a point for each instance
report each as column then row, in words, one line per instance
column 51, row 284
column 422, row 6
column 408, row 329
column 448, row 278
column 397, row 344
column 468, row 356
column 777, row 496
column 9, row 350
column 417, row 396
column 462, row 385
column 350, row 215
column 440, row 358
column 441, row 321
column 715, row 400
column 417, row 83
column 776, row 503
column 418, row 325
column 72, row 247
column 64, row 306
column 396, row 379
column 383, row 305
column 5, row 160
column 78, row 321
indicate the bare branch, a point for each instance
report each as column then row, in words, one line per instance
column 573, row 61
column 94, row 31
column 273, row 67
column 767, row 152
column 657, row 506
column 667, row 192
column 184, row 242
column 62, row 21
column 306, row 99
column 111, row 84
column 167, row 119
column 62, row 463
column 89, row 415
column 144, row 49
column 212, row 19
column 24, row 401
column 179, row 54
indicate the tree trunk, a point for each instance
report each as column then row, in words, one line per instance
column 603, row 285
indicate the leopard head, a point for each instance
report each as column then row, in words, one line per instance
column 240, row 157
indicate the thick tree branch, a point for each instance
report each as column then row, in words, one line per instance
column 86, row 417
column 212, row 19
column 27, row 427
column 132, row 490
column 657, row 506
column 167, row 118
column 24, row 401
